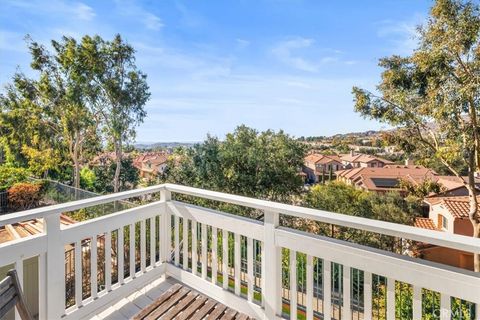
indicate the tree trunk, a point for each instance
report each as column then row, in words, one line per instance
column 76, row 161
column 118, row 160
column 473, row 212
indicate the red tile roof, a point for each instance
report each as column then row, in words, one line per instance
column 425, row 223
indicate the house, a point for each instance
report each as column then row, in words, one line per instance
column 354, row 160
column 318, row 165
column 450, row 215
column 386, row 178
column 151, row 164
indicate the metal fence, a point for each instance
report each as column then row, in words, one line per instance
column 3, row 202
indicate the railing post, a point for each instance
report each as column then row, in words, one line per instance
column 271, row 267
column 55, row 268
column 165, row 228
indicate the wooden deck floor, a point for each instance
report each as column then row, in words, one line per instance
column 181, row 302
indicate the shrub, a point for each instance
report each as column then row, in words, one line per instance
column 11, row 175
column 23, row 196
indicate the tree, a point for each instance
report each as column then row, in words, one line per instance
column 41, row 161
column 257, row 164
column 432, row 96
column 53, row 108
column 103, row 174
column 121, row 91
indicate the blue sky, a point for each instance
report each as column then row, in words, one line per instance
column 213, row 65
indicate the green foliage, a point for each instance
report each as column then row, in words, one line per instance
column 11, row 175
column 341, row 198
column 257, row 164
column 104, row 175
column 87, row 179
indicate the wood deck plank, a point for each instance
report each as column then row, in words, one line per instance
column 167, row 304
column 149, row 309
column 219, row 310
column 229, row 315
column 206, row 308
column 193, row 307
column 183, row 304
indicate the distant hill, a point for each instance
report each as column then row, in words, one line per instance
column 158, row 145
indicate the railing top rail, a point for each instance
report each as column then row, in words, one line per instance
column 440, row 238
column 75, row 205
column 454, row 241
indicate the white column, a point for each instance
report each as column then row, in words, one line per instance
column 271, row 261
column 55, row 267
column 165, row 228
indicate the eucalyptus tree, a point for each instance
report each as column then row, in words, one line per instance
column 120, row 91
column 52, row 111
column 433, row 95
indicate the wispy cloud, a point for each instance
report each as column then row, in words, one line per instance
column 402, row 34
column 77, row 10
column 242, row 43
column 132, row 9
column 285, row 51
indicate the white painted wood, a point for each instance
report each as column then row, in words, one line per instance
column 204, row 250
column 347, row 309
column 153, row 253
column 185, row 244
column 55, row 267
column 23, row 248
column 457, row 282
column 237, row 262
column 309, row 287
column 293, row 284
column 445, row 307
column 75, row 205
column 121, row 255
column 108, row 261
column 390, row 299
column 397, row 230
column 132, row 250
column 143, row 246
column 42, row 286
column 177, row 240
column 19, row 268
column 93, row 267
column 417, row 302
column 225, row 258
column 78, row 274
column 214, row 255
column 194, row 247
column 225, row 221
column 327, row 289
column 250, row 275
column 165, row 226
column 270, row 260
column 367, row 295
column 84, row 229
column 264, row 271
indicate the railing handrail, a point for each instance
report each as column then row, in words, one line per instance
column 454, row 241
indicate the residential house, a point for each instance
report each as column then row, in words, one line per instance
column 386, row 178
column 447, row 214
column 317, row 164
column 151, row 164
column 359, row 160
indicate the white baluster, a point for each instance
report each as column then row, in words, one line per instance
column 237, row 263
column 214, row 255
column 42, row 286
column 93, row 267
column 293, row 284
column 309, row 289
column 367, row 295
column 225, row 258
column 185, row 243
column 204, row 251
column 153, row 242
column 347, row 309
column 445, row 307
column 78, row 273
column 390, row 299
column 417, row 302
column 19, row 268
column 165, row 227
column 121, row 255
column 177, row 240
column 194, row 247
column 327, row 289
column 132, row 250
column 108, row 261
column 250, row 276
column 143, row 246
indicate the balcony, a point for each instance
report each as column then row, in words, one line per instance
column 246, row 264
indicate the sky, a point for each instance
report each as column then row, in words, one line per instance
column 213, row 65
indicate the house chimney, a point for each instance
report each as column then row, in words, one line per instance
column 409, row 162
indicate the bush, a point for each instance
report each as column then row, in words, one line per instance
column 23, row 196
column 11, row 175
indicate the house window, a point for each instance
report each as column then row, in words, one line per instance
column 442, row 222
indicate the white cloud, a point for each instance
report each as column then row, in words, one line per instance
column 402, row 34
column 242, row 43
column 83, row 12
column 131, row 9
column 67, row 9
column 284, row 51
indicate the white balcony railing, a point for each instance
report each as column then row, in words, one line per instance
column 246, row 264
